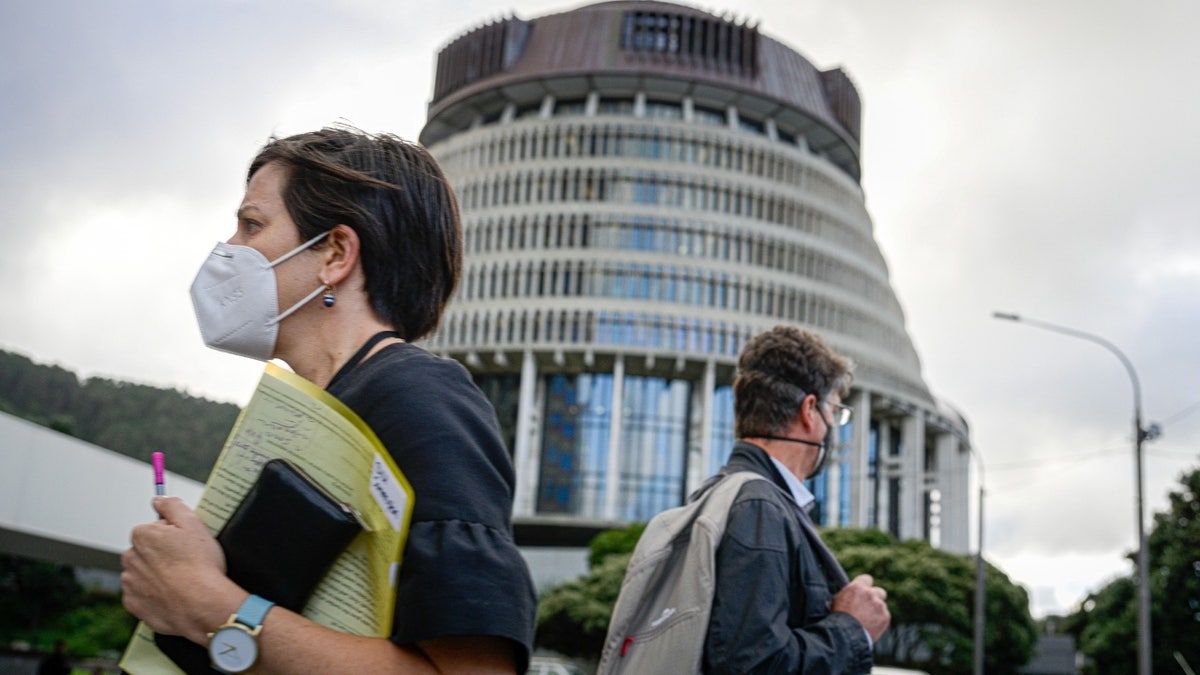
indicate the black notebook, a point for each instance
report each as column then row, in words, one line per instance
column 279, row 543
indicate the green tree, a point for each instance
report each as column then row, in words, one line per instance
column 930, row 595
column 131, row 419
column 931, row 598
column 97, row 623
column 1175, row 577
column 1105, row 626
column 33, row 593
column 573, row 617
column 614, row 542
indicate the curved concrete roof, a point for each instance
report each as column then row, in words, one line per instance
column 573, row 52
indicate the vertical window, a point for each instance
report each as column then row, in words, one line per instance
column 894, row 507
column 654, row 441
column 572, row 477
column 615, row 106
column 663, row 110
column 708, row 116
column 722, row 429
column 845, row 471
column 570, row 107
column 819, row 487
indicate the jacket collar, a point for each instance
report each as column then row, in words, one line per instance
column 750, row 457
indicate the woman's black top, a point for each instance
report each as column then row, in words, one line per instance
column 461, row 573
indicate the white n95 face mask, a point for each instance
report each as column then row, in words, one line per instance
column 236, row 300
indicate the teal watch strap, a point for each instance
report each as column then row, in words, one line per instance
column 253, row 611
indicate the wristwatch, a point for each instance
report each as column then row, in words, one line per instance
column 233, row 647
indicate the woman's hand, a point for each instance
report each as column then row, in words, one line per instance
column 174, row 574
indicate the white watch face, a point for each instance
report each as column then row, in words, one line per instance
column 233, row 649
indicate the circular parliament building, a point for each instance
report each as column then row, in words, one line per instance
column 645, row 186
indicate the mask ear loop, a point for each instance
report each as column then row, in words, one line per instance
column 299, row 249
column 307, row 299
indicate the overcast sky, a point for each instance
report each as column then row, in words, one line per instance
column 1035, row 156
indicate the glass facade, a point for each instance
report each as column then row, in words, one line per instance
column 502, row 391
column 845, row 473
column 819, row 487
column 722, row 429
column 575, row 445
column 654, row 436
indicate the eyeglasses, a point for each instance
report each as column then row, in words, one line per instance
column 840, row 413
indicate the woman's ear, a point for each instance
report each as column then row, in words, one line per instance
column 340, row 255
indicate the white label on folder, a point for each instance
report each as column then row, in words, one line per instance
column 387, row 493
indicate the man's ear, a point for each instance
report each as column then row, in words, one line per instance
column 810, row 410
column 340, row 255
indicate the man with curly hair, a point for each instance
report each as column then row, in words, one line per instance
column 783, row 604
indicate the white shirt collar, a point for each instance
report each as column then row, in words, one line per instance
column 799, row 493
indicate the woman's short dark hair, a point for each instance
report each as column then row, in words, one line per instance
column 776, row 371
column 393, row 194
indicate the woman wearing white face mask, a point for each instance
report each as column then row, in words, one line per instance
column 347, row 247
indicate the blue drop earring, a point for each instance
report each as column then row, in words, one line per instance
column 328, row 298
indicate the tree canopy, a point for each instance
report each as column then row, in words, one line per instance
column 930, row 595
column 130, row 419
column 42, row 602
column 1105, row 626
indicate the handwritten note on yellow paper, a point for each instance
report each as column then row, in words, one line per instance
column 291, row 418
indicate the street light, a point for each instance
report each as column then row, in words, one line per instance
column 979, row 576
column 1139, row 435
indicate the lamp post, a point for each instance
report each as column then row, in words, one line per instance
column 1139, row 435
column 980, row 578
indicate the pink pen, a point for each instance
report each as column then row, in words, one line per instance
column 156, row 458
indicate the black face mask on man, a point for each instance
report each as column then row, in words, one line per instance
column 822, row 453
column 822, row 447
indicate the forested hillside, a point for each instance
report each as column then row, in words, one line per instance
column 131, row 419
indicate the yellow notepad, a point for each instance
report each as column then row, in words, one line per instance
column 292, row 418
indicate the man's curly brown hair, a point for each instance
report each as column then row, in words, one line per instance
column 776, row 371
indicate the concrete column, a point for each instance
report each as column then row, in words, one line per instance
column 861, row 486
column 612, row 474
column 951, row 474
column 883, row 505
column 526, row 455
column 912, row 483
column 956, row 499
column 700, row 449
column 833, row 481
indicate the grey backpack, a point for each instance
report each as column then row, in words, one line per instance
column 661, row 616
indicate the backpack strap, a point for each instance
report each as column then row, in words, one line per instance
column 838, row 579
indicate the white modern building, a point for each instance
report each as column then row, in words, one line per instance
column 644, row 186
